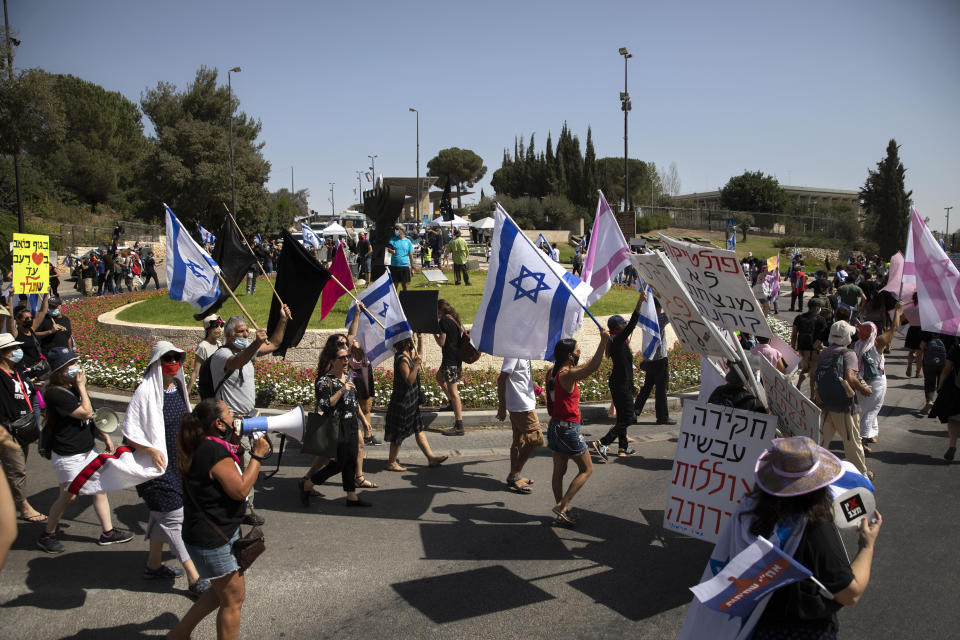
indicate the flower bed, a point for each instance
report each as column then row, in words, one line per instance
column 112, row 360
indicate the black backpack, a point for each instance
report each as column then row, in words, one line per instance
column 205, row 379
column 829, row 380
column 935, row 353
column 806, row 329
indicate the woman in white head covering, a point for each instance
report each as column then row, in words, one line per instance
column 869, row 349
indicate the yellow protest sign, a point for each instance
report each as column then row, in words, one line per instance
column 31, row 263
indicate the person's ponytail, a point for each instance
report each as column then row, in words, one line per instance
column 194, row 428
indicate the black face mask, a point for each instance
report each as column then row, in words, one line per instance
column 574, row 360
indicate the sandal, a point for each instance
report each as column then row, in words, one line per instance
column 304, row 493
column 564, row 517
column 519, row 484
column 37, row 518
column 395, row 467
column 439, row 460
column 363, row 483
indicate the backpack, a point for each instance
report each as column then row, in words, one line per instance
column 935, row 353
column 466, row 352
column 829, row 380
column 205, row 378
column 736, row 396
column 135, row 266
column 871, row 366
column 806, row 328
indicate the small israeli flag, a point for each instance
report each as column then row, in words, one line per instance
column 257, row 239
column 310, row 238
column 381, row 302
column 192, row 274
column 205, row 236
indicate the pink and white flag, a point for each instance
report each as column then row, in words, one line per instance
column 936, row 277
column 608, row 253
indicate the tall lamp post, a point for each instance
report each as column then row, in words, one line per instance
column 625, row 106
column 373, row 170
column 947, row 233
column 417, row 202
column 233, row 176
column 333, row 209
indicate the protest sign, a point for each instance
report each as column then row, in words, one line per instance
column 420, row 307
column 715, row 281
column 799, row 416
column 688, row 323
column 791, row 357
column 717, row 451
column 31, row 263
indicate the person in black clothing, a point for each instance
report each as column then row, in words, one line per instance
column 215, row 500
column 621, row 383
column 656, row 374
column 54, row 330
column 150, row 271
column 54, row 280
column 117, row 232
column 26, row 325
column 807, row 336
column 448, row 375
column 735, row 394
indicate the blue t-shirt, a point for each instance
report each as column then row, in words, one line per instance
column 403, row 248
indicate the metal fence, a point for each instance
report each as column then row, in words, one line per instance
column 716, row 219
column 73, row 235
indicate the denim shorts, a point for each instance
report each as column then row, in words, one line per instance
column 565, row 438
column 216, row 562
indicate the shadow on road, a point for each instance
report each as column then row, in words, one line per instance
column 905, row 457
column 132, row 631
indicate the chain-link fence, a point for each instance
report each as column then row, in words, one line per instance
column 73, row 236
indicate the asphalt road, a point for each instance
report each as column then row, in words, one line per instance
column 449, row 553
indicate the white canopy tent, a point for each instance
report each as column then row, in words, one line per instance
column 456, row 222
column 333, row 229
column 483, row 223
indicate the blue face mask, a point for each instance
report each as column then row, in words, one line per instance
column 241, row 343
column 53, row 312
column 72, row 371
column 16, row 355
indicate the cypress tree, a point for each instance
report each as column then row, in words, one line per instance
column 887, row 203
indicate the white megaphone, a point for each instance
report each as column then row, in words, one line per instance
column 106, row 419
column 289, row 423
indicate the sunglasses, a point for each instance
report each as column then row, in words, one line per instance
column 171, row 357
column 218, row 322
column 342, row 357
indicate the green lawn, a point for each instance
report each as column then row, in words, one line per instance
column 466, row 300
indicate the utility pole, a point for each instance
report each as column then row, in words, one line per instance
column 291, row 183
column 625, row 106
column 373, row 170
column 10, row 42
column 233, row 176
column 417, row 202
column 333, row 209
column 947, row 234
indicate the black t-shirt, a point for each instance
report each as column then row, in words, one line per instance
column 149, row 264
column 449, row 327
column 13, row 404
column 800, row 604
column 57, row 338
column 31, row 349
column 820, row 286
column 362, row 247
column 810, row 328
column 205, row 492
column 70, row 435
column 621, row 373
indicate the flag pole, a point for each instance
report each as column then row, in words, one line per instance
column 250, row 249
column 544, row 259
column 357, row 300
column 234, row 296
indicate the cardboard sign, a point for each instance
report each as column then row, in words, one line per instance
column 420, row 307
column 717, row 451
column 31, row 263
column 718, row 286
column 799, row 416
column 688, row 322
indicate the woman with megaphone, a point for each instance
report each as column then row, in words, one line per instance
column 214, row 506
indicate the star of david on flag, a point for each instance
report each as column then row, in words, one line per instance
column 380, row 298
column 527, row 305
column 310, row 238
column 191, row 272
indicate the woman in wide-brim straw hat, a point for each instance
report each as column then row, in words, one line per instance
column 791, row 507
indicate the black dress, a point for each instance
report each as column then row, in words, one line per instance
column 403, row 413
column 947, row 403
column 347, row 438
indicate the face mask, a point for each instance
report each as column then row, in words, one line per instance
column 16, row 355
column 241, row 343
column 575, row 360
column 54, row 312
column 170, row 368
column 72, row 371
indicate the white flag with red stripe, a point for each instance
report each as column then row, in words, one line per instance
column 608, row 253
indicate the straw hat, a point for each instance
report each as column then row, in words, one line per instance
column 7, row 340
column 795, row 466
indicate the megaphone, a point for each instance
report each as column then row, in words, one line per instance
column 852, row 497
column 289, row 423
column 106, row 420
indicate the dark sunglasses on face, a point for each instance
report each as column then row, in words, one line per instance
column 344, row 357
column 170, row 357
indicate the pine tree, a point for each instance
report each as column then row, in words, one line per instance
column 887, row 203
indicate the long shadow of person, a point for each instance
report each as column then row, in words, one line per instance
column 131, row 631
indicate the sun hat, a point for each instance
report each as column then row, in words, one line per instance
column 212, row 319
column 7, row 340
column 795, row 466
column 59, row 357
column 841, row 333
column 160, row 348
column 614, row 322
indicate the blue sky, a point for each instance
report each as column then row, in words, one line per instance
column 810, row 92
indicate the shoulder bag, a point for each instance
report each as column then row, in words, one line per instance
column 25, row 429
column 246, row 549
column 466, row 352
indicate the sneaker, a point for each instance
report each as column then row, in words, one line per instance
column 163, row 571
column 50, row 544
column 667, row 421
column 197, row 588
column 623, row 453
column 909, row 370
column 599, row 449
column 372, row 441
column 114, row 536
column 951, row 452
column 254, row 520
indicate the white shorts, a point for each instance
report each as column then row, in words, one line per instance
column 67, row 468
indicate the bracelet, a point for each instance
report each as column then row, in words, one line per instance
column 256, row 457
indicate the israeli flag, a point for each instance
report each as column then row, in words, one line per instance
column 528, row 302
column 192, row 274
column 382, row 303
column 310, row 238
column 257, row 239
column 205, row 236
column 649, row 324
column 543, row 242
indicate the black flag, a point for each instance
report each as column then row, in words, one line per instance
column 234, row 259
column 300, row 279
column 446, row 209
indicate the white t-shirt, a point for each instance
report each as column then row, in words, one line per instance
column 555, row 254
column 205, row 350
column 519, row 390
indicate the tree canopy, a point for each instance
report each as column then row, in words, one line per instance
column 461, row 166
column 887, row 203
column 754, row 192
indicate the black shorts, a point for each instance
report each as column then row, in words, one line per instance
column 912, row 341
column 400, row 274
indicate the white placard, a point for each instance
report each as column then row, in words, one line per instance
column 715, row 281
column 717, row 451
column 688, row 323
column 791, row 357
column 798, row 415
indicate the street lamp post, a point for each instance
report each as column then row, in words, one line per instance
column 625, row 106
column 233, row 176
column 417, row 203
column 947, row 233
column 373, row 170
column 333, row 209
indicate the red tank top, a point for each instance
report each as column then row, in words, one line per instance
column 566, row 406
